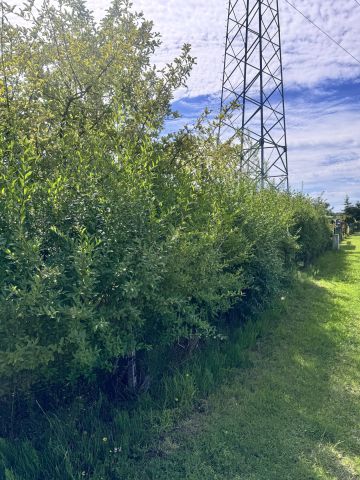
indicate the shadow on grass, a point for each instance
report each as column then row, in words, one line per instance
column 334, row 265
column 289, row 416
column 348, row 246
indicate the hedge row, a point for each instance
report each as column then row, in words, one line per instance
column 113, row 237
column 110, row 256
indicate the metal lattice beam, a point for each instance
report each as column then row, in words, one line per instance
column 253, row 85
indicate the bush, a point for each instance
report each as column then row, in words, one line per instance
column 94, row 269
column 114, row 239
column 311, row 227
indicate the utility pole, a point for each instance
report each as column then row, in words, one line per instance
column 253, row 90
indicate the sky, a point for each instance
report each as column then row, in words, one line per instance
column 322, row 82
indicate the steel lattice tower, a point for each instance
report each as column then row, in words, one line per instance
column 253, row 85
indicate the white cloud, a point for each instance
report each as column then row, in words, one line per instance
column 324, row 148
column 309, row 56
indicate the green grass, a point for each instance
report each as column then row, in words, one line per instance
column 279, row 400
column 294, row 413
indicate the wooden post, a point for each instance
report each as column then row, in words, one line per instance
column 131, row 373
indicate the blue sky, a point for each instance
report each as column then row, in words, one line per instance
column 322, row 83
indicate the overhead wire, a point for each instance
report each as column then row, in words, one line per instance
column 357, row 1
column 323, row 31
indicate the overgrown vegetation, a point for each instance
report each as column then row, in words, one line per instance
column 114, row 238
column 352, row 212
column 292, row 409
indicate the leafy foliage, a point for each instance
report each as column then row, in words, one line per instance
column 114, row 238
column 311, row 227
column 352, row 211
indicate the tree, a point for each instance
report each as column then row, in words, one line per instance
column 347, row 202
column 80, row 247
column 64, row 76
column 351, row 211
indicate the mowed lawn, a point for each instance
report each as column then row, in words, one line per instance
column 294, row 412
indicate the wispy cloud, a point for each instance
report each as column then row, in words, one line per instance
column 324, row 146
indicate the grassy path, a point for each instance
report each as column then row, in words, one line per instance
column 294, row 413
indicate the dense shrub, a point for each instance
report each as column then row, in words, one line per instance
column 110, row 256
column 114, row 239
column 311, row 227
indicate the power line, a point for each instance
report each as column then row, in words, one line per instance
column 357, row 1
column 323, row 31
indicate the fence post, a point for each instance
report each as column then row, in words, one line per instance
column 336, row 241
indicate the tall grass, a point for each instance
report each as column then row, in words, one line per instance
column 95, row 438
